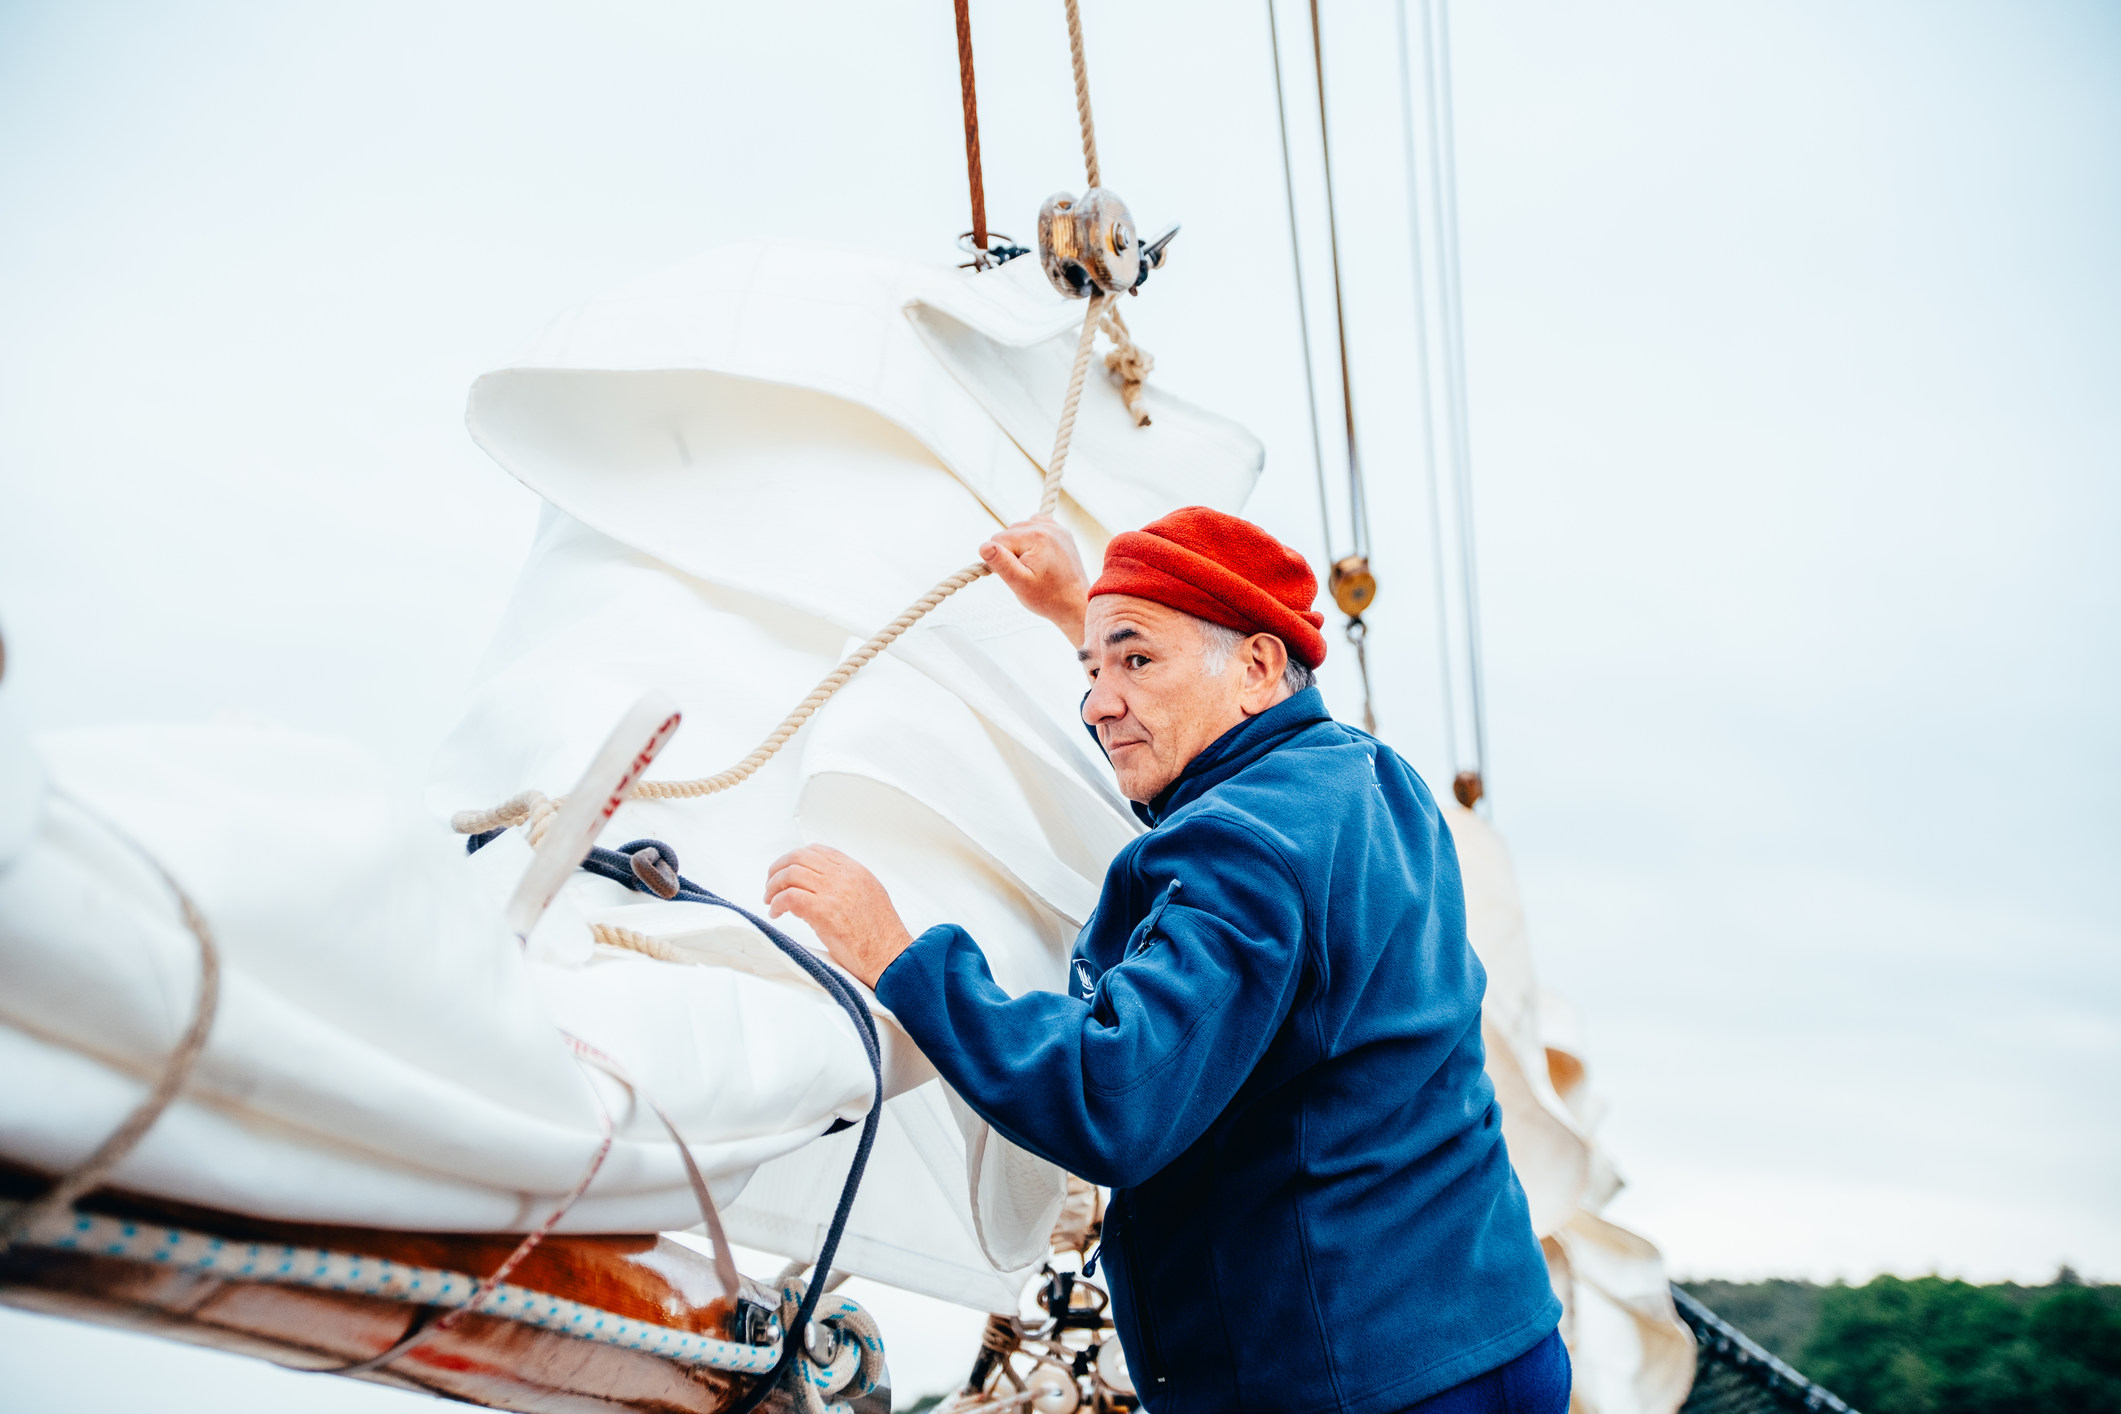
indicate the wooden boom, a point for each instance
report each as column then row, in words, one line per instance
column 481, row 1359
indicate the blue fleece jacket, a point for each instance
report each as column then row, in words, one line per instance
column 1270, row 1050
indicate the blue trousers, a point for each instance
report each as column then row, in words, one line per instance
column 1536, row 1382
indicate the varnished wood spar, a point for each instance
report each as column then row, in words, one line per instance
column 481, row 1360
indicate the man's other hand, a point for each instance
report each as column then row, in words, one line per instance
column 844, row 905
column 1037, row 560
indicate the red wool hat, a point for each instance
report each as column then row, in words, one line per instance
column 1222, row 569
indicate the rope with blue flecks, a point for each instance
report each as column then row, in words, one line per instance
column 320, row 1268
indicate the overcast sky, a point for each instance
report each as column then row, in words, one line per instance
column 1793, row 365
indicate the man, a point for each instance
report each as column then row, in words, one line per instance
column 1270, row 1046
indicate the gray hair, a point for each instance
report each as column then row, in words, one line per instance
column 1218, row 645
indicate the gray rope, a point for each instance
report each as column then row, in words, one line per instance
column 176, row 1070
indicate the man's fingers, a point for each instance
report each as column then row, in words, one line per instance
column 1004, row 561
column 798, row 875
column 800, row 902
column 787, row 859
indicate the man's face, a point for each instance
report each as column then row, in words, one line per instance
column 1152, row 703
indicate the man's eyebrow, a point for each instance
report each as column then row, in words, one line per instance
column 1118, row 635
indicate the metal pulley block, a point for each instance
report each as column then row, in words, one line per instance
column 1088, row 245
column 1354, row 587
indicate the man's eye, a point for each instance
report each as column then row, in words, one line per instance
column 1137, row 661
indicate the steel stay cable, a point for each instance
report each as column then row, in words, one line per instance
column 1436, row 49
column 1423, row 378
column 1303, row 316
column 1358, row 502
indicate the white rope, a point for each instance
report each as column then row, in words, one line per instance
column 533, row 809
column 613, row 936
column 1082, row 94
column 1128, row 365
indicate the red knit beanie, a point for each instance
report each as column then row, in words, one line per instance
column 1222, row 569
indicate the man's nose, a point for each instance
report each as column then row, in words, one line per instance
column 1104, row 704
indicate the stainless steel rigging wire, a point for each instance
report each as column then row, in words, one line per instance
column 1352, row 585
column 1358, row 503
column 1303, row 308
column 1443, row 188
column 1444, row 676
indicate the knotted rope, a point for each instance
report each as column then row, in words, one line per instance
column 1129, row 364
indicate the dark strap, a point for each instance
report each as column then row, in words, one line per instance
column 617, row 866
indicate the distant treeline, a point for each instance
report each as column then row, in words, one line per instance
column 1931, row 1346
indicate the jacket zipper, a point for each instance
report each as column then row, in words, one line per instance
column 1144, row 1309
column 1147, row 928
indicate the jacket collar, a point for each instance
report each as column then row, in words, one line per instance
column 1233, row 751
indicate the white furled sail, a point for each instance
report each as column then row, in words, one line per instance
column 384, row 1054
column 749, row 459
column 752, row 461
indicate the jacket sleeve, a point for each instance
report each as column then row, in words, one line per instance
column 1115, row 1086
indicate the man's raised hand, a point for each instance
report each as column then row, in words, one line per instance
column 844, row 905
column 1037, row 560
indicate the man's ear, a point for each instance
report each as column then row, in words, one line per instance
column 1266, row 660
